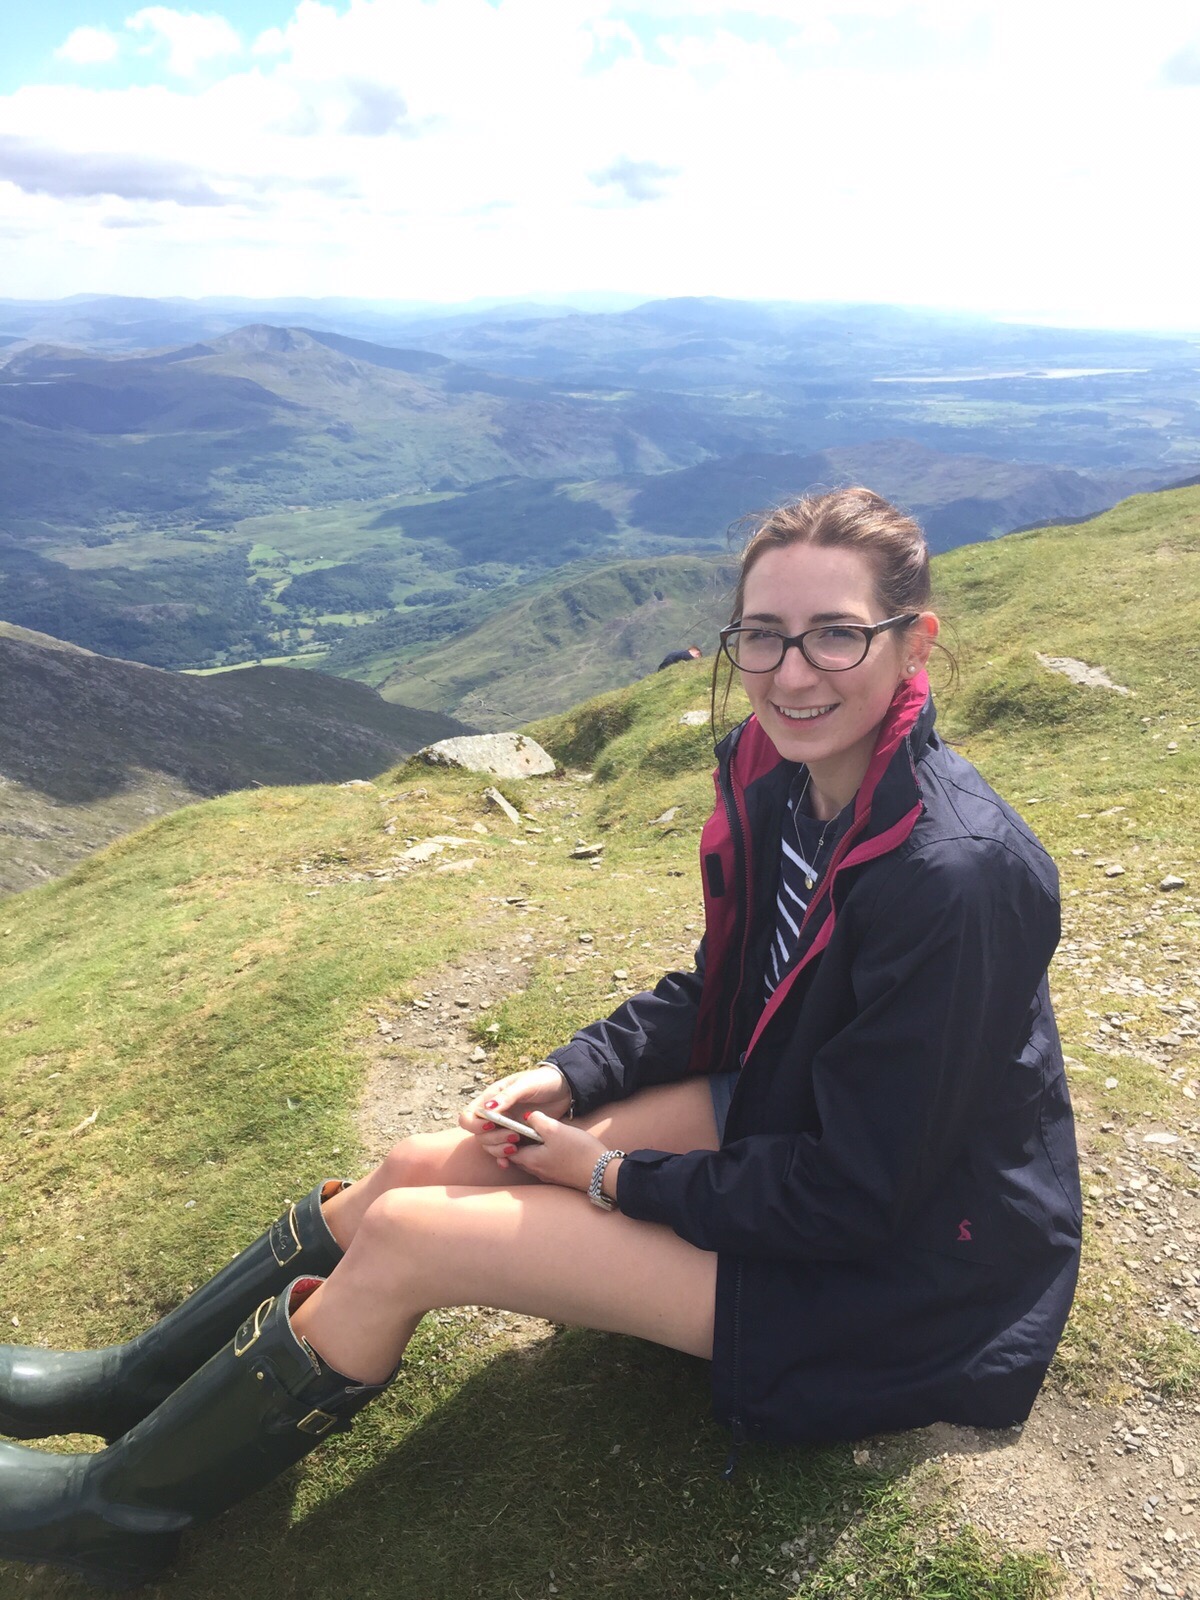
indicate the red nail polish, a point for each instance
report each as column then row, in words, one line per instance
column 490, row 1105
column 489, row 1127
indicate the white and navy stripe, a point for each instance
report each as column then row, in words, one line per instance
column 806, row 844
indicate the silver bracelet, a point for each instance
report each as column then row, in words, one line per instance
column 595, row 1192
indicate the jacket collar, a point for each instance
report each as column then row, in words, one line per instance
column 889, row 789
column 886, row 809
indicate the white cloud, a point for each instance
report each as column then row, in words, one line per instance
column 976, row 153
column 1184, row 66
column 88, row 47
column 636, row 180
column 191, row 39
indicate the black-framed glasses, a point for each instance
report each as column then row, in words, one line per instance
column 836, row 647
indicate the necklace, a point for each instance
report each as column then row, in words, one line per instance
column 809, row 880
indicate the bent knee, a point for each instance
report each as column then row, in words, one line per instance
column 416, row 1160
column 388, row 1218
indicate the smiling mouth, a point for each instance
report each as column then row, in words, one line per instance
column 804, row 713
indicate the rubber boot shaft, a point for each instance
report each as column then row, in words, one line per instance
column 256, row 1408
column 44, row 1392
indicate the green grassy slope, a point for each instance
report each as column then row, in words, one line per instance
column 207, row 987
column 90, row 746
column 597, row 630
column 607, row 630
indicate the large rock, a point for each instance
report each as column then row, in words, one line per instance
column 504, row 755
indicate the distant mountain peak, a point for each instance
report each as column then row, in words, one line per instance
column 265, row 336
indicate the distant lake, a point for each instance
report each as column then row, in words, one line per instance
column 1027, row 372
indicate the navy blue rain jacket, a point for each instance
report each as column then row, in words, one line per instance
column 895, row 1205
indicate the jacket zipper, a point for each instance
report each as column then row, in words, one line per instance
column 736, row 1425
column 737, row 826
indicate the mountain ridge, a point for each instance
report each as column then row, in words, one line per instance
column 91, row 745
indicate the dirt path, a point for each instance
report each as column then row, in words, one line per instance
column 426, row 1062
column 1113, row 1491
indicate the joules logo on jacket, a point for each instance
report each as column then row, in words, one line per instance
column 964, row 1231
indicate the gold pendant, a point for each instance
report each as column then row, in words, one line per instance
column 808, row 883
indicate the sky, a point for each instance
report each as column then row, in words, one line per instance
column 1024, row 158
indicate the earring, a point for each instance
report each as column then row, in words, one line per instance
column 908, row 671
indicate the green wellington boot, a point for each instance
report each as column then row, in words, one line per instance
column 257, row 1407
column 43, row 1392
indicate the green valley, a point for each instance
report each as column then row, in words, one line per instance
column 266, row 490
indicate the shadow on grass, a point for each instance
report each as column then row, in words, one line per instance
column 584, row 1465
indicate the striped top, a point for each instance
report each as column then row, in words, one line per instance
column 807, row 845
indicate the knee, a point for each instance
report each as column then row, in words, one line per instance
column 413, row 1161
column 387, row 1223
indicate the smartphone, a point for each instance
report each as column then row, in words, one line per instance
column 514, row 1126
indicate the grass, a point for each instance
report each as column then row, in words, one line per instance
column 574, row 636
column 205, row 987
column 211, row 1005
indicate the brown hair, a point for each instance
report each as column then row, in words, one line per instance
column 850, row 519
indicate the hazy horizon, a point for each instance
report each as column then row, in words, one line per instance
column 588, row 302
column 999, row 157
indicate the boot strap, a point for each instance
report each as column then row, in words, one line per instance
column 251, row 1330
column 284, row 1237
column 286, row 1233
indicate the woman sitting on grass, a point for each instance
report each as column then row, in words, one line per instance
column 836, row 1159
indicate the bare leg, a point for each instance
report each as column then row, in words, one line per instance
column 540, row 1250
column 428, row 1241
column 674, row 1116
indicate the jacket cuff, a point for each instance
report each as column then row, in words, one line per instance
column 639, row 1193
column 589, row 1079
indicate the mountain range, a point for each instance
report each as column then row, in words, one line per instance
column 267, row 489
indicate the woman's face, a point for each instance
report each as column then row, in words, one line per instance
column 827, row 719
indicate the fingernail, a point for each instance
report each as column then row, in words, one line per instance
column 490, row 1105
column 489, row 1127
column 526, row 1115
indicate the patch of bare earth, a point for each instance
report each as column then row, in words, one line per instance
column 1079, row 672
column 427, row 1062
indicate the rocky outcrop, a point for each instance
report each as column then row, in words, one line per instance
column 503, row 755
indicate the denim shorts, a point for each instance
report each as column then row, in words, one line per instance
column 721, row 1088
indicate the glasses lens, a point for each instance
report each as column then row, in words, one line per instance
column 835, row 649
column 755, row 649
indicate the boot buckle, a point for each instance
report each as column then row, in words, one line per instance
column 284, row 1237
column 317, row 1423
column 255, row 1326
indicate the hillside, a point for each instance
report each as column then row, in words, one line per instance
column 249, row 994
column 267, row 416
column 609, row 625
column 595, row 631
column 958, row 499
column 90, row 747
column 263, row 489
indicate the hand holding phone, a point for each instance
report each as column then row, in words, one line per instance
column 522, row 1129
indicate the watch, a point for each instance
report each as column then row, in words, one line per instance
column 594, row 1191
